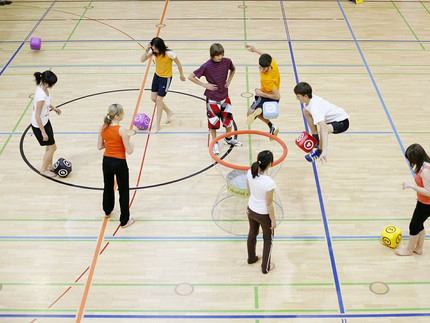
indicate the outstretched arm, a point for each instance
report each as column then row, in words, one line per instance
column 253, row 49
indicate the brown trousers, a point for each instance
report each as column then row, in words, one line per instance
column 255, row 220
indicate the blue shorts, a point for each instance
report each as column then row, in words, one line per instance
column 160, row 85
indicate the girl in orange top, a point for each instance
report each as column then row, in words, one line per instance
column 162, row 77
column 113, row 138
column 420, row 161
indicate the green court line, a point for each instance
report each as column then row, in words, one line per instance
column 77, row 24
column 405, row 21
column 425, row 8
column 170, row 311
column 256, row 297
column 255, row 311
column 15, row 127
column 255, row 285
column 250, row 158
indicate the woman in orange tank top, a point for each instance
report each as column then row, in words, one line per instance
column 420, row 161
column 114, row 140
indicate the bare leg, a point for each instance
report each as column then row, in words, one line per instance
column 156, row 124
column 419, row 247
column 411, row 246
column 168, row 112
column 213, row 133
column 47, row 161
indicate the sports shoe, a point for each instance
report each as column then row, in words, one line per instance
column 313, row 156
column 130, row 222
column 274, row 130
column 215, row 149
column 233, row 142
column 250, row 119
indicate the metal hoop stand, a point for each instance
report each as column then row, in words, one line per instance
column 229, row 209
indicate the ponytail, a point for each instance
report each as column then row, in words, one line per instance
column 264, row 159
column 114, row 110
column 47, row 77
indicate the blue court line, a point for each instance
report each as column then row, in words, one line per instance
column 387, row 113
column 28, row 36
column 228, row 40
column 186, row 65
column 321, row 202
column 218, row 316
column 198, row 133
column 185, row 238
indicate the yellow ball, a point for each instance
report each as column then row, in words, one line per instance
column 391, row 236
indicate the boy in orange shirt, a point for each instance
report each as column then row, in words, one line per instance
column 269, row 91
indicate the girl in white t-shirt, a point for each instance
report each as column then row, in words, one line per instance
column 40, row 123
column 261, row 212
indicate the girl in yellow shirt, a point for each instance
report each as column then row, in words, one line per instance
column 162, row 76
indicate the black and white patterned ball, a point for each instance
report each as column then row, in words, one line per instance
column 62, row 167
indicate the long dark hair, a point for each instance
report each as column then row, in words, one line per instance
column 416, row 155
column 160, row 45
column 47, row 77
column 264, row 159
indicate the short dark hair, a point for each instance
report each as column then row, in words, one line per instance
column 303, row 88
column 216, row 49
column 416, row 155
column 265, row 60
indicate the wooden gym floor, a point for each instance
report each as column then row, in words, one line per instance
column 62, row 261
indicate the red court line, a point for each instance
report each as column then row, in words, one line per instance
column 101, row 235
column 91, row 273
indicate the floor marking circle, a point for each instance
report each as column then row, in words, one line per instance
column 379, row 288
column 246, row 95
column 184, row 289
column 24, row 157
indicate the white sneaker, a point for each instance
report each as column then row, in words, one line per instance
column 215, row 149
column 233, row 142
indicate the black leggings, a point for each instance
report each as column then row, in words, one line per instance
column 421, row 213
column 111, row 167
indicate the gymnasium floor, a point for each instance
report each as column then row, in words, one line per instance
column 62, row 261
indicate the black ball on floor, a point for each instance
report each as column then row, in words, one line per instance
column 62, row 167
